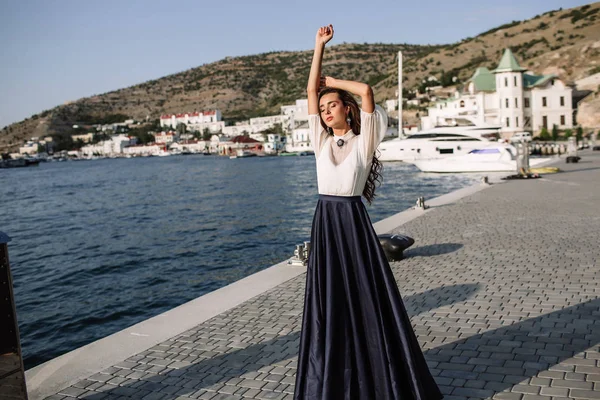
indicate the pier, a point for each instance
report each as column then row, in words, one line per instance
column 502, row 286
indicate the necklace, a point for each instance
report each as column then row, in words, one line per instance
column 340, row 142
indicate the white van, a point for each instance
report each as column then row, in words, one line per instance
column 521, row 137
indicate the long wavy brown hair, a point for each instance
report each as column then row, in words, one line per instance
column 374, row 178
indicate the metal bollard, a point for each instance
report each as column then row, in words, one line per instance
column 12, row 372
column 421, row 203
column 300, row 254
column 522, row 158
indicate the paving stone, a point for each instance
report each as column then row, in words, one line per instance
column 469, row 392
column 572, row 384
column 584, row 394
column 72, row 391
column 525, row 389
column 508, row 396
column 554, row 391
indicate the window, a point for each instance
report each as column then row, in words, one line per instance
column 517, row 122
column 507, row 122
column 562, row 101
column 506, row 101
column 516, row 82
column 516, row 103
column 485, row 151
column 506, row 82
column 562, row 119
column 545, row 122
column 462, row 103
column 526, row 100
column 544, row 102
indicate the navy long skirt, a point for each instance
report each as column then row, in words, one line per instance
column 357, row 341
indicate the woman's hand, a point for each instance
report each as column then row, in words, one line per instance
column 324, row 34
column 326, row 81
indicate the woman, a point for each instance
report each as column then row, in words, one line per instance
column 357, row 341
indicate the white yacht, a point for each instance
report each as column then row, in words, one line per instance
column 494, row 158
column 438, row 142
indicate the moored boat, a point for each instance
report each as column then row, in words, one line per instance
column 494, row 158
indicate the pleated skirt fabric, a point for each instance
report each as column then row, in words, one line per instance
column 357, row 340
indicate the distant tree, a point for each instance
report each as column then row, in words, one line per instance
column 63, row 142
column 145, row 137
column 544, row 135
column 181, row 128
column 100, row 137
column 206, row 134
column 579, row 133
column 554, row 132
column 568, row 133
column 275, row 129
column 408, row 94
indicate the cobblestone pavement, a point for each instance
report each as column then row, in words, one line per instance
column 503, row 289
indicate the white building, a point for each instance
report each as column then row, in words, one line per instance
column 194, row 146
column 115, row 145
column 391, row 105
column 274, row 143
column 299, row 139
column 196, row 121
column 297, row 113
column 29, row 148
column 166, row 138
column 239, row 129
column 143, row 150
column 257, row 125
column 509, row 96
column 216, row 141
column 84, row 137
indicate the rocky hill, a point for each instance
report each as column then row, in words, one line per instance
column 565, row 42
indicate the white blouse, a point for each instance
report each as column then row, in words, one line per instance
column 347, row 176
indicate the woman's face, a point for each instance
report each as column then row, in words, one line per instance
column 332, row 110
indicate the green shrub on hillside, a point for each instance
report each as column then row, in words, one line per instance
column 505, row 26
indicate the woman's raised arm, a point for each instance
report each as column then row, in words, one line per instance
column 324, row 35
column 356, row 88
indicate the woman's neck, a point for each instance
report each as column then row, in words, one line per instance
column 341, row 131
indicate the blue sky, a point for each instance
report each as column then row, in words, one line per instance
column 55, row 51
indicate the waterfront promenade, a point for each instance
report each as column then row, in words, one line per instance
column 502, row 286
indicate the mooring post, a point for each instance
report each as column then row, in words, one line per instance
column 12, row 372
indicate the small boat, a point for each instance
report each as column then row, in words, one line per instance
column 19, row 162
column 243, row 154
column 494, row 158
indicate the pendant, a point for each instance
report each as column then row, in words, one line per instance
column 340, row 142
